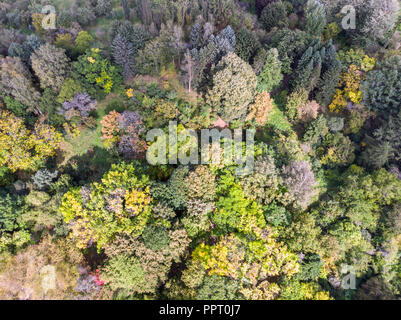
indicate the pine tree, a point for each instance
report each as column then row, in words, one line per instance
column 196, row 35
column 385, row 145
column 43, row 178
column 326, row 87
column 315, row 17
column 381, row 90
column 270, row 76
column 247, row 45
column 123, row 54
column 274, row 15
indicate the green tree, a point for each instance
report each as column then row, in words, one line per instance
column 380, row 90
column 119, row 204
column 233, row 88
column 124, row 273
column 290, row 45
column 270, row 76
column 83, row 42
column 69, row 89
column 247, row 45
column 315, row 15
column 218, row 288
column 97, row 70
column 274, row 15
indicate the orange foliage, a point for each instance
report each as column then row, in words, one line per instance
column 260, row 110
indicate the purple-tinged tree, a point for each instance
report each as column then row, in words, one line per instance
column 81, row 102
column 298, row 177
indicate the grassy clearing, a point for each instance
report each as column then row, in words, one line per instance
column 89, row 139
column 278, row 120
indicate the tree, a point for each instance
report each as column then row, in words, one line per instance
column 69, row 89
column 81, row 102
column 22, row 149
column 188, row 68
column 294, row 100
column 134, row 268
column 210, row 54
column 195, row 36
column 247, row 262
column 83, row 42
column 326, row 86
column 309, row 68
column 25, row 50
column 97, row 70
column 260, row 110
column 317, row 64
column 274, row 15
column 125, row 207
column 310, row 268
column 298, row 177
column 215, row 287
column 235, row 210
column 380, row 90
column 315, row 17
column 308, row 111
column 65, row 18
column 123, row 272
column 150, row 59
column 123, row 54
column 15, row 107
column 51, row 66
column 16, row 80
column 259, row 61
column 155, row 237
column 376, row 18
column 110, row 128
column 201, row 184
column 25, row 272
column 171, row 37
column 233, row 87
column 103, row 8
column 131, row 127
column 363, row 196
column 66, row 42
column 48, row 105
column 375, row 289
column 262, row 184
column 11, row 208
column 261, row 4
column 126, row 9
column 84, row 15
column 43, row 178
column 290, row 45
column 270, row 77
column 298, row 290
column 247, row 45
column 384, row 147
column 135, row 34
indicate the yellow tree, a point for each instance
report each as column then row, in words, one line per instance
column 21, row 149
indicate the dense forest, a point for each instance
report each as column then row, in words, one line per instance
column 84, row 213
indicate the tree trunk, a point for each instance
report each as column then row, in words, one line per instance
column 126, row 9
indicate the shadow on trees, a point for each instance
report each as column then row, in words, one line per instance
column 91, row 166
